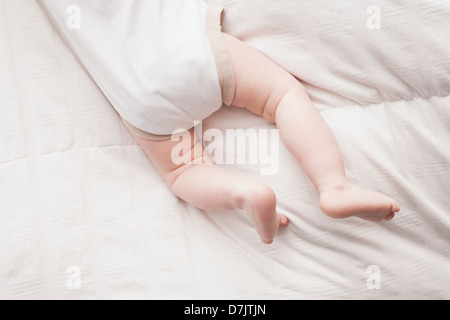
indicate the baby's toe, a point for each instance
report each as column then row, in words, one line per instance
column 390, row 216
column 284, row 221
column 395, row 207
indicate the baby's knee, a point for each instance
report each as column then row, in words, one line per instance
column 277, row 95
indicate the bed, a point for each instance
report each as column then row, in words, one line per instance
column 84, row 215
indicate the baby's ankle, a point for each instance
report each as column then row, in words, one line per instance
column 337, row 183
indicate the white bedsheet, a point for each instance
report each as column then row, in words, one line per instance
column 84, row 215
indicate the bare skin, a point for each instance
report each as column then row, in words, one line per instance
column 210, row 187
column 269, row 91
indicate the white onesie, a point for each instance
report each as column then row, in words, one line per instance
column 161, row 63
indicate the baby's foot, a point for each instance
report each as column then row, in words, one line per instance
column 259, row 203
column 341, row 199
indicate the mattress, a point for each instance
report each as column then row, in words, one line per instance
column 84, row 215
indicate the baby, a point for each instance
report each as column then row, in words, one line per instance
column 160, row 78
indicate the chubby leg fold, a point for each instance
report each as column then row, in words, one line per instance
column 210, row 187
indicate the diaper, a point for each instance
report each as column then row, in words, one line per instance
column 162, row 64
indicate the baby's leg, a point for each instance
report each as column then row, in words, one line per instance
column 210, row 187
column 270, row 91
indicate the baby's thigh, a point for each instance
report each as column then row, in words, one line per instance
column 260, row 83
column 172, row 157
